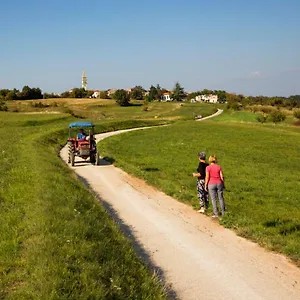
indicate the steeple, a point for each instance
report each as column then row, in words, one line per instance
column 84, row 80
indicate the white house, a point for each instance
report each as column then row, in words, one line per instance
column 207, row 98
column 166, row 97
column 96, row 94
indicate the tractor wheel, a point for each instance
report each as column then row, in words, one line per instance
column 72, row 159
column 70, row 151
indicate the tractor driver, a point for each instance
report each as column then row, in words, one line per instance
column 81, row 135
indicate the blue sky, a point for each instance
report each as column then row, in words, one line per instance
column 250, row 47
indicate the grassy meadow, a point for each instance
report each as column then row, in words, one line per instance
column 57, row 242
column 108, row 110
column 260, row 163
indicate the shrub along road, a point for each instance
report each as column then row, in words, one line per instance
column 198, row 257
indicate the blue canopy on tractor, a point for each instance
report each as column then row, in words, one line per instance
column 81, row 124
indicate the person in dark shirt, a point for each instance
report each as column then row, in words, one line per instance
column 201, row 192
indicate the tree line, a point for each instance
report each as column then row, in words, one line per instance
column 26, row 93
column 239, row 101
column 154, row 93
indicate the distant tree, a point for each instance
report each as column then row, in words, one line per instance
column 295, row 97
column 192, row 95
column 3, row 106
column 3, row 93
column 178, row 92
column 104, row 95
column 159, row 92
column 89, row 94
column 122, row 97
column 75, row 93
column 221, row 95
column 232, row 98
column 234, row 106
column 276, row 101
column 137, row 93
column 36, row 93
column 50, row 96
column 277, row 116
column 153, row 94
column 65, row 94
column 297, row 114
column 78, row 93
column 292, row 101
column 26, row 93
column 83, row 93
column 29, row 93
column 206, row 92
column 12, row 95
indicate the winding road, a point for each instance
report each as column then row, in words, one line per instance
column 196, row 257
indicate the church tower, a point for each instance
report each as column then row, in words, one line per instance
column 84, row 81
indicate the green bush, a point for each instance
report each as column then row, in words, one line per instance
column 234, row 106
column 39, row 104
column 262, row 118
column 3, row 106
column 104, row 95
column 254, row 108
column 297, row 114
column 122, row 97
column 277, row 116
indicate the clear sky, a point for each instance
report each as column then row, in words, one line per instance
column 242, row 46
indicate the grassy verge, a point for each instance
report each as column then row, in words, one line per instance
column 249, row 116
column 57, row 242
column 259, row 161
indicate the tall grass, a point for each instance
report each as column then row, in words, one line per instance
column 57, row 241
column 260, row 163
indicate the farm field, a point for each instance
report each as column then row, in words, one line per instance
column 248, row 116
column 107, row 110
column 57, row 242
column 49, row 218
column 259, row 162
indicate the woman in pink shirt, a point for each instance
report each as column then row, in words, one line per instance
column 214, row 183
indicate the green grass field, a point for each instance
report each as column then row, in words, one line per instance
column 260, row 163
column 247, row 116
column 237, row 116
column 108, row 110
column 57, row 241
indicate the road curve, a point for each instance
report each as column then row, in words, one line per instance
column 199, row 258
column 218, row 112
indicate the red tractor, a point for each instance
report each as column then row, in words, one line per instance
column 84, row 144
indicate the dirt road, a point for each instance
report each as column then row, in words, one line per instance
column 198, row 258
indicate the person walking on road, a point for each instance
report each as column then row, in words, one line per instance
column 201, row 192
column 214, row 183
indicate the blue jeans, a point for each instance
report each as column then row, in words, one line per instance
column 213, row 190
